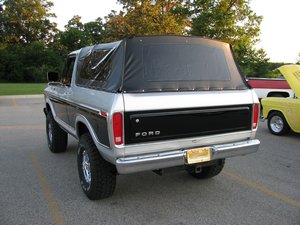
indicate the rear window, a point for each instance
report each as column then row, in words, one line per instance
column 179, row 62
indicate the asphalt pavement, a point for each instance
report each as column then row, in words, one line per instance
column 39, row 187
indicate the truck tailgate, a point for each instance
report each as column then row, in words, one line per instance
column 157, row 125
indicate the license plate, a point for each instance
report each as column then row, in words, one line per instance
column 197, row 155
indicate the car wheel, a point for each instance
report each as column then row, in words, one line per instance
column 97, row 176
column 207, row 171
column 277, row 124
column 57, row 138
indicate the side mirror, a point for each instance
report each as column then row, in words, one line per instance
column 52, row 76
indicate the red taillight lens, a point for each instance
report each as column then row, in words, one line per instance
column 255, row 116
column 118, row 128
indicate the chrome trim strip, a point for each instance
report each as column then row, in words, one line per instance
column 51, row 106
column 230, row 150
column 168, row 145
column 104, row 150
column 76, row 105
column 220, row 109
column 176, row 158
column 84, row 120
column 65, row 126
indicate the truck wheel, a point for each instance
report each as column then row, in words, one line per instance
column 277, row 124
column 97, row 176
column 208, row 171
column 57, row 138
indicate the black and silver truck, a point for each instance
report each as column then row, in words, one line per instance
column 151, row 103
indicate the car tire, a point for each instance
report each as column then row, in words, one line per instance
column 277, row 124
column 97, row 176
column 57, row 138
column 207, row 171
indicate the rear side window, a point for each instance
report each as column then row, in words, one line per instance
column 95, row 67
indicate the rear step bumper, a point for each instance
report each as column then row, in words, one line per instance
column 176, row 158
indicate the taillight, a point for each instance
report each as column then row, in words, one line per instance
column 118, row 128
column 255, row 116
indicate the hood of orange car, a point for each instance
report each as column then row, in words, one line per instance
column 292, row 74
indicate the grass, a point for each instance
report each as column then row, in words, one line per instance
column 21, row 88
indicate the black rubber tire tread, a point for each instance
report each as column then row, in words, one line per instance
column 59, row 136
column 208, row 171
column 103, row 173
column 286, row 127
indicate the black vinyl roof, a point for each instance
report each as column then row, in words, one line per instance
column 159, row 64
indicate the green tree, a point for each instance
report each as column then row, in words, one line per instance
column 95, row 31
column 253, row 62
column 232, row 21
column 78, row 34
column 26, row 41
column 29, row 63
column 26, row 21
column 145, row 17
column 116, row 26
column 74, row 22
column 73, row 39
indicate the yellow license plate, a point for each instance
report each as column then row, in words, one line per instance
column 197, row 155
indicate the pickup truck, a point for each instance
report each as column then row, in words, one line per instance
column 270, row 87
column 283, row 113
column 151, row 103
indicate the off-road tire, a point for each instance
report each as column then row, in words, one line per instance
column 57, row 138
column 207, row 171
column 102, row 180
column 282, row 127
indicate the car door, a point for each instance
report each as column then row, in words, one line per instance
column 63, row 90
column 68, row 76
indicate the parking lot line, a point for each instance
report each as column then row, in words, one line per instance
column 52, row 204
column 262, row 189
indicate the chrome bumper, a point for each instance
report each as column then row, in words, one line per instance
column 176, row 158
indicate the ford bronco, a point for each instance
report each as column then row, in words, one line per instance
column 151, row 103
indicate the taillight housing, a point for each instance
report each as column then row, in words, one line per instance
column 117, row 121
column 255, row 115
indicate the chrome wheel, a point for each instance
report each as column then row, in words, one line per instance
column 86, row 169
column 276, row 124
column 97, row 177
column 50, row 136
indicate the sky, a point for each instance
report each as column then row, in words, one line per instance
column 280, row 28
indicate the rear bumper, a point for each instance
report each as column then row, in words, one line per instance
column 176, row 158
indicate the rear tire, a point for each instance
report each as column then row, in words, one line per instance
column 57, row 138
column 277, row 124
column 97, row 176
column 207, row 171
